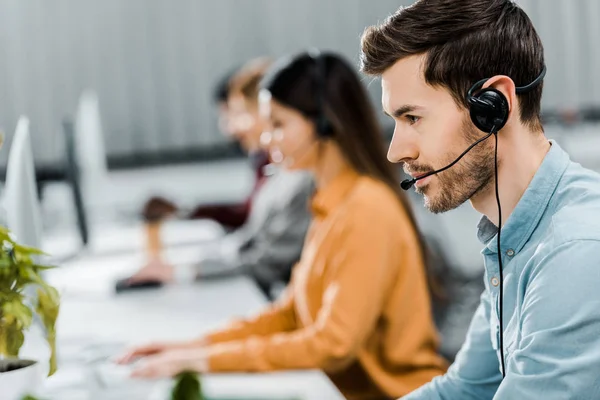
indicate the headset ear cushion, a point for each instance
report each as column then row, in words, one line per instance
column 489, row 110
column 324, row 128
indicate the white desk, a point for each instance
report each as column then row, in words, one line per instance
column 92, row 316
column 123, row 193
column 130, row 237
column 169, row 313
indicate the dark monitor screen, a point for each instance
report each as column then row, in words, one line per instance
column 73, row 178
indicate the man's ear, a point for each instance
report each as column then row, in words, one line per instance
column 506, row 86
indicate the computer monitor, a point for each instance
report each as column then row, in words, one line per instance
column 73, row 178
column 21, row 200
column 89, row 139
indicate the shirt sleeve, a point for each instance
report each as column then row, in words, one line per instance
column 230, row 215
column 278, row 245
column 475, row 374
column 364, row 262
column 278, row 317
column 269, row 256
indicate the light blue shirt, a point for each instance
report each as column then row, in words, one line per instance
column 551, row 257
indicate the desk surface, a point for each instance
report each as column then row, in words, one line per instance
column 106, row 240
column 92, row 317
column 169, row 313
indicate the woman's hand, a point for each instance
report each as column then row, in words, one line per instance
column 155, row 270
column 153, row 349
column 168, row 364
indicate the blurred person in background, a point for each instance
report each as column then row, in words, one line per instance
column 358, row 306
column 234, row 122
column 270, row 241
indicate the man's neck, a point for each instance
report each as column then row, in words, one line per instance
column 519, row 155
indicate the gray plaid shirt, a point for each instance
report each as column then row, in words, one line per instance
column 271, row 241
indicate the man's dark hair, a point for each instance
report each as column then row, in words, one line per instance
column 464, row 41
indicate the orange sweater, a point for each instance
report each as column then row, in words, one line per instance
column 357, row 306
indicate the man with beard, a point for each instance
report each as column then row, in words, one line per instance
column 462, row 81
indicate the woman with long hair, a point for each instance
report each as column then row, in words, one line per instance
column 358, row 306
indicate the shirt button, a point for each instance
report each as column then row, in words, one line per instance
column 510, row 252
column 494, row 281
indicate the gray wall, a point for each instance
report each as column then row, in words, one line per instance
column 154, row 62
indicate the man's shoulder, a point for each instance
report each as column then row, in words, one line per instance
column 576, row 214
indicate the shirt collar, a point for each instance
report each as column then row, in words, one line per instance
column 529, row 210
column 329, row 197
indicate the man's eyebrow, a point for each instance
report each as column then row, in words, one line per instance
column 400, row 111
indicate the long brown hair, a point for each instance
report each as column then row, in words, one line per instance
column 346, row 105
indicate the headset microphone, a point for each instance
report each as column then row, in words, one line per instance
column 488, row 109
column 408, row 183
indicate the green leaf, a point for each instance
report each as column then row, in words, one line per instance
column 26, row 250
column 27, row 275
column 19, row 311
column 47, row 308
column 19, row 268
column 32, row 277
column 29, row 397
column 51, row 339
column 187, row 387
column 11, row 339
column 4, row 234
column 48, row 304
column 41, row 267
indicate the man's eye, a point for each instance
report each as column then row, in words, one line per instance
column 412, row 119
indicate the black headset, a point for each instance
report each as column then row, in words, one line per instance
column 489, row 108
column 323, row 126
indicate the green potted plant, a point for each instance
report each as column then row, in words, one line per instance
column 187, row 387
column 20, row 276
